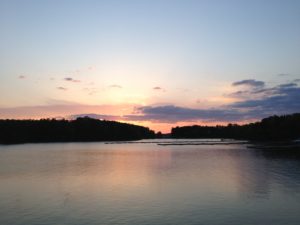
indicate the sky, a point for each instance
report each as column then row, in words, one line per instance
column 160, row 64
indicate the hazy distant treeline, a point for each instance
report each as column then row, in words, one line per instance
column 81, row 129
column 272, row 128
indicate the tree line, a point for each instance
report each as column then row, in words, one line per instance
column 285, row 127
column 79, row 130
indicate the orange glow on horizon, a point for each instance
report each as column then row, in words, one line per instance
column 107, row 112
column 165, row 128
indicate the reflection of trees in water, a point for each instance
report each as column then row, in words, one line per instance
column 252, row 172
column 263, row 171
column 253, row 176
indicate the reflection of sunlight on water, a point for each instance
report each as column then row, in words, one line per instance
column 124, row 171
column 135, row 182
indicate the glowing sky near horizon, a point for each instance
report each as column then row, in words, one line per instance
column 156, row 63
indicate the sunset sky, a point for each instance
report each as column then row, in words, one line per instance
column 161, row 63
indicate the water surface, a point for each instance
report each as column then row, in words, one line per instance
column 146, row 183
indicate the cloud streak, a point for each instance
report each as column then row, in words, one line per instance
column 115, row 86
column 172, row 113
column 280, row 99
column 62, row 88
column 250, row 83
column 70, row 79
column 157, row 88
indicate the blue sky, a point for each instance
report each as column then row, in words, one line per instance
column 119, row 51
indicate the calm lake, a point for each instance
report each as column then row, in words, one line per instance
column 146, row 183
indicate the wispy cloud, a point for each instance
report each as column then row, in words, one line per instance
column 281, row 99
column 62, row 88
column 250, row 83
column 288, row 85
column 115, row 86
column 70, row 79
column 283, row 74
column 158, row 88
column 91, row 91
column 91, row 68
column 249, row 89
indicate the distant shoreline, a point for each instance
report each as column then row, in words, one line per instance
column 275, row 128
column 79, row 130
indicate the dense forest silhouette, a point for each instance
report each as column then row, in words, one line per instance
column 274, row 128
column 286, row 127
column 79, row 130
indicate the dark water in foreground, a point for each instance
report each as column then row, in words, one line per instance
column 143, row 183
